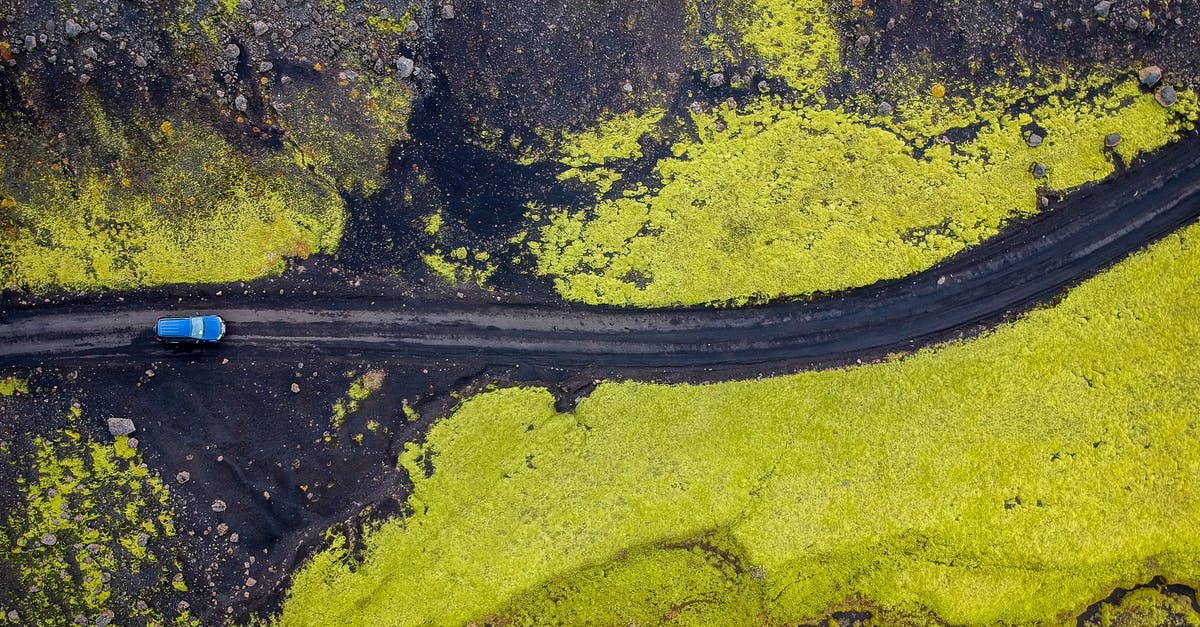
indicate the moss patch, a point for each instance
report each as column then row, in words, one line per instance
column 1015, row 478
column 93, row 523
column 1146, row 606
column 152, row 204
column 776, row 200
column 361, row 388
column 13, row 385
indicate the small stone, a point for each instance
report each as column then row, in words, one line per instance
column 1034, row 140
column 105, row 618
column 72, row 28
column 1102, row 8
column 132, row 443
column 182, row 606
column 1166, row 96
column 80, row 619
column 447, row 11
column 627, row 87
column 295, row 388
column 285, row 80
column 716, row 79
column 233, row 537
column 120, row 426
column 250, row 581
column 245, row 5
column 218, row 506
column 139, row 61
column 232, row 51
column 885, row 108
column 412, row 27
column 141, row 605
column 93, row 548
column 30, row 42
column 91, row 54
column 105, row 36
column 863, row 41
column 696, row 107
column 1039, row 170
column 49, row 539
column 1131, row 24
column 764, row 86
column 240, row 103
column 183, row 477
column 266, row 66
column 222, row 529
column 142, row 539
column 84, row 78
column 13, row 616
column 404, row 67
column 1112, row 139
column 260, row 28
column 1150, row 75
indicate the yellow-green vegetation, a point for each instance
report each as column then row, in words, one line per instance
column 775, row 199
column 371, row 117
column 461, row 267
column 1147, row 606
column 1014, row 478
column 151, row 204
column 616, row 138
column 92, row 521
column 13, row 385
column 795, row 37
column 360, row 389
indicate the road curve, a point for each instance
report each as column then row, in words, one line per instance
column 1030, row 262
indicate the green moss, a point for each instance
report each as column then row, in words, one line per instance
column 795, row 37
column 1015, row 478
column 1146, row 606
column 345, row 126
column 182, row 206
column 361, row 388
column 93, row 522
column 776, row 200
column 13, row 385
column 460, row 267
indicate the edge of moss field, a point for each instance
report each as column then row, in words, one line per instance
column 1014, row 478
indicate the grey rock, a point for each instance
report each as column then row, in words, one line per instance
column 72, row 28
column 240, row 103
column 80, row 619
column 142, row 539
column 91, row 54
column 696, row 107
column 1112, row 139
column 245, row 5
column 1039, row 170
column 13, row 616
column 412, row 27
column 1102, row 8
column 261, row 28
column 1166, row 96
column 627, row 87
column 105, row 618
column 233, row 537
column 885, row 108
column 30, row 42
column 219, row 506
column 132, row 443
column 1131, row 24
column 250, row 582
column 295, row 388
column 49, row 539
column 139, row 60
column 286, row 80
column 447, row 11
column 1034, row 140
column 120, row 426
column 764, row 86
column 93, row 548
column 232, row 51
column 716, row 79
column 141, row 605
column 183, row 477
column 105, row 35
column 863, row 41
column 1150, row 75
column 404, row 67
column 266, row 66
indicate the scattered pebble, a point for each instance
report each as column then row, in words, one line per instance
column 1166, row 96
column 1112, row 139
column 295, row 388
column 91, row 54
column 139, row 61
column 132, row 443
column 30, row 42
column 240, row 103
column 1150, row 75
column 716, row 79
column 447, row 11
column 405, row 67
column 72, row 28
column 260, row 28
column 232, row 51
column 49, row 539
column 266, row 66
column 1102, row 8
column 233, row 537
column 250, row 581
column 105, row 618
column 885, row 108
column 863, row 41
column 764, row 86
column 218, row 506
column 1034, row 140
column 142, row 539
column 222, row 529
column 183, row 477
column 1039, row 170
column 120, row 426
column 1131, row 24
column 245, row 5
